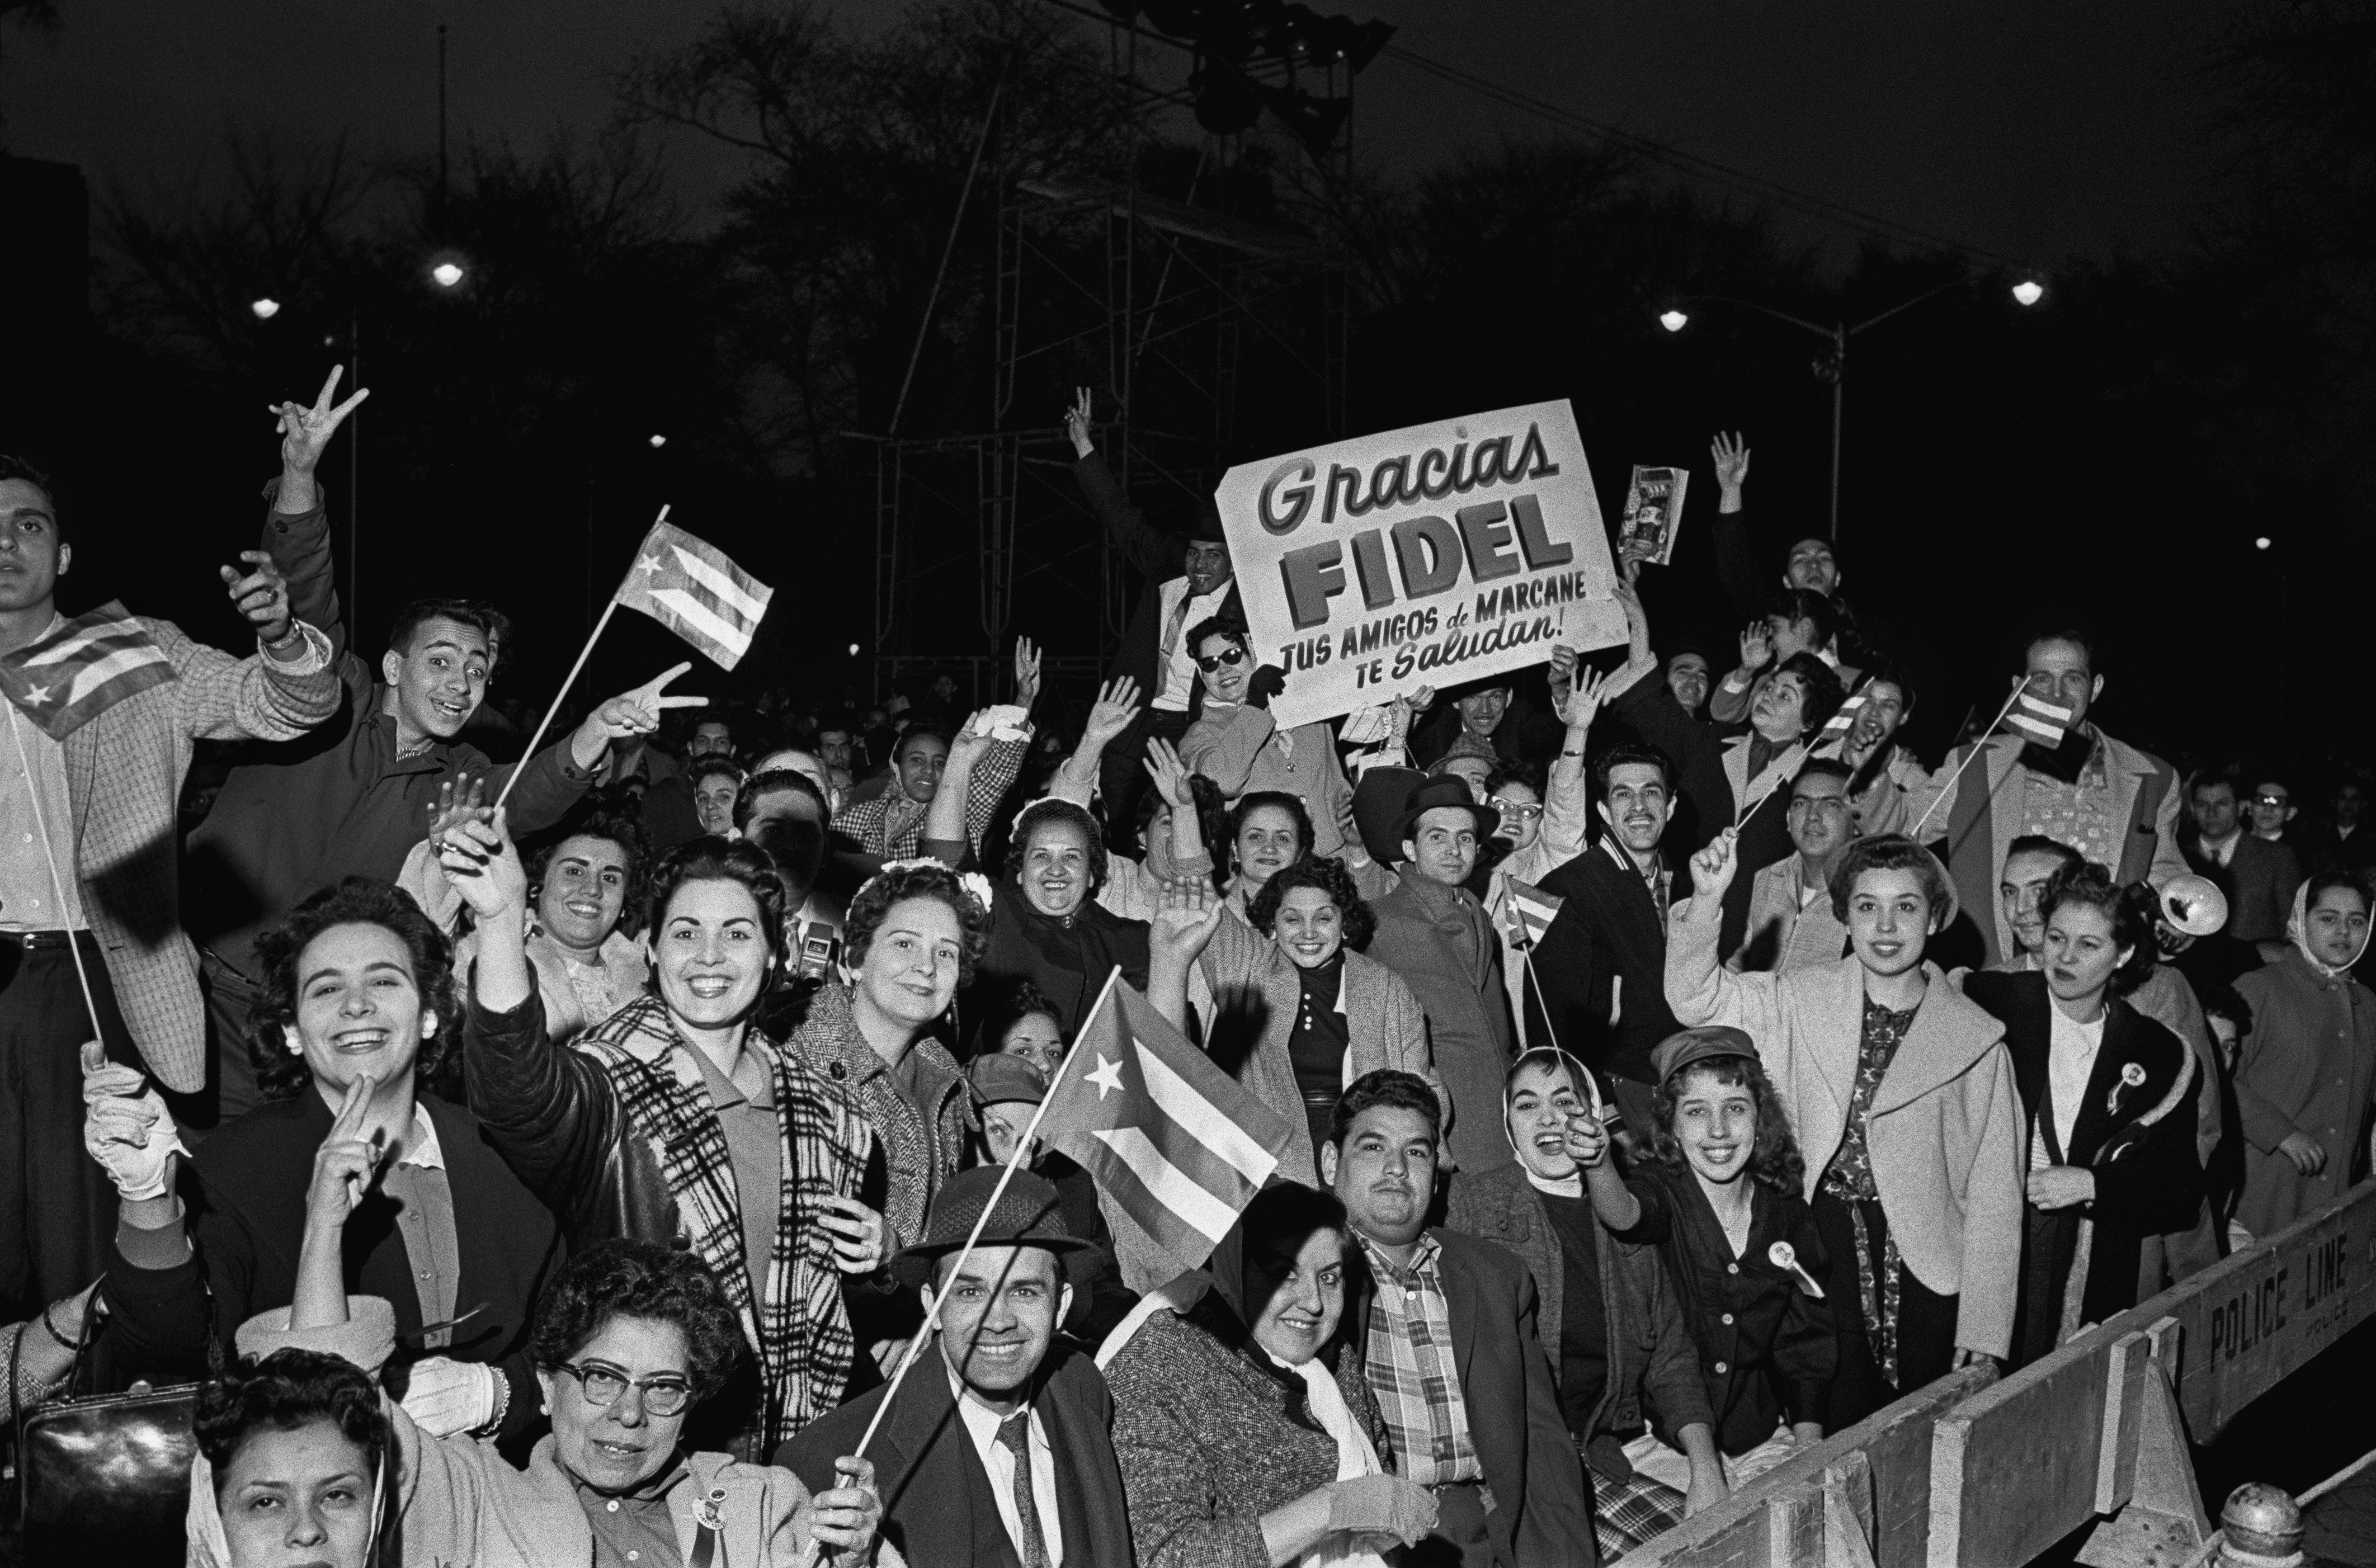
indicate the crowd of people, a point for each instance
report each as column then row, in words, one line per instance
column 554, row 1160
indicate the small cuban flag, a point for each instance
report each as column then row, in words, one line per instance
column 86, row 666
column 693, row 589
column 2043, row 722
column 1173, row 1141
column 1834, row 736
column 1533, row 910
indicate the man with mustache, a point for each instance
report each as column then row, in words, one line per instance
column 1446, row 1331
column 1189, row 581
column 1600, row 972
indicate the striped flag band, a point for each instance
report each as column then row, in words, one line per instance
column 1836, row 729
column 694, row 589
column 2041, row 721
column 1166, row 1135
column 1534, row 907
column 86, row 666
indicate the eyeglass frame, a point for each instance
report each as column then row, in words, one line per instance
column 1234, row 655
column 645, row 1386
column 1522, row 810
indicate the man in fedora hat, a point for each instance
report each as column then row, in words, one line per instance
column 997, row 1452
column 1188, row 581
column 1433, row 932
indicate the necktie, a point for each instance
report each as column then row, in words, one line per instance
column 1015, row 1436
column 1175, row 624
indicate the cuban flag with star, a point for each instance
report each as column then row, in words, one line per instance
column 696, row 591
column 86, row 666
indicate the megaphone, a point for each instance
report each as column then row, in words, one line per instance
column 2195, row 906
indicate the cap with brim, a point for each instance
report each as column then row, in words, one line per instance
column 1443, row 794
column 1028, row 1214
column 1687, row 1048
column 1000, row 1079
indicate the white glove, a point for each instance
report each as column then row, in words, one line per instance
column 125, row 1126
column 445, row 1396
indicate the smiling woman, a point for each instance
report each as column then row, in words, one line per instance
column 359, row 1010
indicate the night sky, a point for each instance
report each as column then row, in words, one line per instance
column 2026, row 128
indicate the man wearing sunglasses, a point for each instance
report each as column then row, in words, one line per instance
column 1188, row 581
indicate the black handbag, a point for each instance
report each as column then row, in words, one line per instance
column 104, row 1477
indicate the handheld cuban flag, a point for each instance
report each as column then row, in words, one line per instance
column 1834, row 736
column 1165, row 1134
column 1533, row 910
column 2042, row 722
column 86, row 667
column 693, row 589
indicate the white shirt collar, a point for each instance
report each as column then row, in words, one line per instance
column 421, row 1148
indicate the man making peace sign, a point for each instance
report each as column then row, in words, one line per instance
column 353, row 797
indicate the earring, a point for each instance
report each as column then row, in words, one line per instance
column 428, row 1026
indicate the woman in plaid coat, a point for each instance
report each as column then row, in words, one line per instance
column 679, row 1121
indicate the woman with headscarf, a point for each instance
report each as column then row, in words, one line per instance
column 2307, row 1066
column 1247, row 1435
column 2110, row 1095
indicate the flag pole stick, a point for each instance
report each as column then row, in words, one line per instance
column 1021, row 1146
column 566, row 682
column 1591, row 1086
column 1977, row 743
column 57, row 883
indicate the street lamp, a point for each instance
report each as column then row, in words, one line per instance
column 447, row 274
column 2028, row 292
column 266, row 309
column 659, row 442
column 1833, row 366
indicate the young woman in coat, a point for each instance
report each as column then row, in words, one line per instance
column 2110, row 1096
column 1903, row 1099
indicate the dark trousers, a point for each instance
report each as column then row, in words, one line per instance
column 231, row 1000
column 1121, row 773
column 57, row 1206
column 1926, row 1320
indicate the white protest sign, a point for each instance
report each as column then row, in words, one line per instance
column 1429, row 556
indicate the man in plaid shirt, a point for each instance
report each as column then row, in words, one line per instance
column 1446, row 1328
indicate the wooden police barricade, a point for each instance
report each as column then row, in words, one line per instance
column 2098, row 1431
column 1859, row 1499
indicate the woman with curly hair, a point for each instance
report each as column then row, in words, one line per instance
column 359, row 1006
column 298, row 1457
column 1717, row 1192
column 2110, row 1097
column 678, row 1120
column 585, row 892
column 1299, row 1012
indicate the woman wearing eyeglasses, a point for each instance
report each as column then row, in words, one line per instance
column 1235, row 744
column 628, row 1341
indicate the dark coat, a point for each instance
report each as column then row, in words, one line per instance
column 1653, row 1367
column 296, row 816
column 247, row 1221
column 1768, row 1350
column 1160, row 556
column 937, row 1505
column 2134, row 1130
column 2259, row 879
column 1543, row 1504
column 1605, row 952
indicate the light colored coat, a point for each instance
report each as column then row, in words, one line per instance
column 123, row 777
column 2307, row 1066
column 1785, row 935
column 1255, row 987
column 1977, row 830
column 1946, row 1135
column 1239, row 748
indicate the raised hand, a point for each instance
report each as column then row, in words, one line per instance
column 1076, row 423
column 125, row 1126
column 1268, row 682
column 262, row 595
column 1112, row 715
column 344, row 1164
column 630, row 713
column 459, row 799
column 856, row 1231
column 484, row 867
column 969, row 744
column 1731, row 456
column 306, row 433
column 1713, row 868
column 1591, row 688
column 1587, row 1140
column 1026, row 673
column 1756, row 645
column 1186, row 920
column 1170, row 774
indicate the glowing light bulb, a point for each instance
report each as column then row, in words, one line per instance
column 2262, row 542
column 2028, row 292
column 659, row 442
column 1673, row 320
column 447, row 274
column 266, row 309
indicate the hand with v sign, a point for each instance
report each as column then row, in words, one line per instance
column 628, row 714
column 343, row 1171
